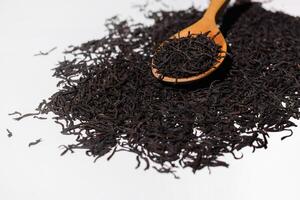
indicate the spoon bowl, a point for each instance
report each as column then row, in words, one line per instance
column 207, row 24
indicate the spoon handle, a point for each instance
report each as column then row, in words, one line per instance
column 213, row 9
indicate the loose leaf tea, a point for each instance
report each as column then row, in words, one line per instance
column 9, row 133
column 34, row 142
column 108, row 98
column 41, row 53
column 186, row 57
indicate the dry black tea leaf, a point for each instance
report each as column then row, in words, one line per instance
column 34, row 142
column 9, row 133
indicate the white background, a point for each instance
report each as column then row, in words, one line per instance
column 39, row 173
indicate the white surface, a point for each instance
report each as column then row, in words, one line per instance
column 39, row 173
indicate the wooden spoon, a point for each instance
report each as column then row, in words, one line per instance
column 206, row 24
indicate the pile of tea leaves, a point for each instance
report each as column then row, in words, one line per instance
column 108, row 98
column 186, row 56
